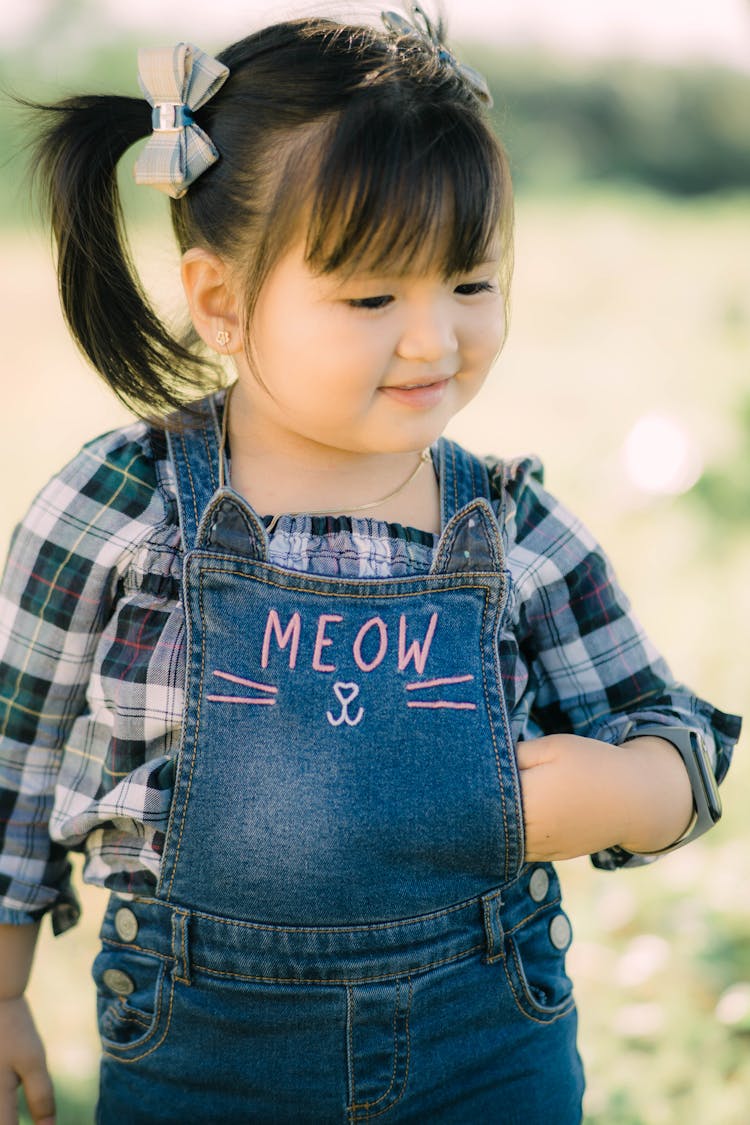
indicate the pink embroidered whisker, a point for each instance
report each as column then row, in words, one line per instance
column 439, row 682
column 435, row 703
column 240, row 699
column 244, row 682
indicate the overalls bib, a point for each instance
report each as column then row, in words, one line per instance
column 344, row 928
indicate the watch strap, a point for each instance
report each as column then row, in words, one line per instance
column 691, row 747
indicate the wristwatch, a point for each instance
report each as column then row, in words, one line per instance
column 690, row 746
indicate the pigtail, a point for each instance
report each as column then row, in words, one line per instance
column 78, row 146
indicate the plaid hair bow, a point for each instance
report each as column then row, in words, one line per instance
column 176, row 81
column 421, row 27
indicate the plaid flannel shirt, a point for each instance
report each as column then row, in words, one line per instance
column 92, row 658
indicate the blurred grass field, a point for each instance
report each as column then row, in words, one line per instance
column 623, row 304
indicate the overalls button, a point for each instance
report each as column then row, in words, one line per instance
column 560, row 932
column 118, row 982
column 126, row 924
column 538, row 884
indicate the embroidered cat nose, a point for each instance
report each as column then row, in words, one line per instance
column 345, row 693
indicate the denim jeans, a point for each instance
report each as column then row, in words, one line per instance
column 344, row 926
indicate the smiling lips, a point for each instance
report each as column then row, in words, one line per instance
column 419, row 394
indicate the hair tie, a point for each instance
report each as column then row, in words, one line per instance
column 176, row 81
column 421, row 27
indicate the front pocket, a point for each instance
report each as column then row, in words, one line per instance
column 134, row 1001
column 535, row 965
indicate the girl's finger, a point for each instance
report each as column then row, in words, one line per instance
column 40, row 1096
column 8, row 1105
column 529, row 754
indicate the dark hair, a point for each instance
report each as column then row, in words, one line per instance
column 375, row 150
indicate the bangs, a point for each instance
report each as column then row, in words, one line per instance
column 399, row 192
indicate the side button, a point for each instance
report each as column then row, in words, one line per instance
column 538, row 884
column 560, row 932
column 118, row 982
column 126, row 924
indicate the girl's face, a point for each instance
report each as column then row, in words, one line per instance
column 365, row 363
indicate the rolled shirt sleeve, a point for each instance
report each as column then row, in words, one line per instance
column 58, row 584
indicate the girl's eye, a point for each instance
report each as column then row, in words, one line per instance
column 471, row 288
column 370, row 302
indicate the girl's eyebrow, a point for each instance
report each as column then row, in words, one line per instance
column 364, row 274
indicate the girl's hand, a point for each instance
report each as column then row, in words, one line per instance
column 22, row 1063
column 581, row 795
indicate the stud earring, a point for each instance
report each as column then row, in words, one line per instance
column 223, row 337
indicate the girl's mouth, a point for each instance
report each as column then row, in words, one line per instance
column 419, row 395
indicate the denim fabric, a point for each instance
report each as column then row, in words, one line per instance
column 344, row 927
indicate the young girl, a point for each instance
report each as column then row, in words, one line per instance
column 319, row 695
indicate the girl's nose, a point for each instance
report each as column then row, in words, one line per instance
column 428, row 334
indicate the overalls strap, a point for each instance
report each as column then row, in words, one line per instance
column 471, row 538
column 195, row 452
column 463, row 478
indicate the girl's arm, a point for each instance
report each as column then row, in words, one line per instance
column 22, row 1060
column 55, row 600
column 594, row 680
column 582, row 795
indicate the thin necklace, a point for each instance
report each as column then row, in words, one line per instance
column 424, row 456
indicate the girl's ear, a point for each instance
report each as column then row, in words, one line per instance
column 214, row 305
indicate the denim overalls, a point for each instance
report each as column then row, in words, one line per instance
column 344, row 928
